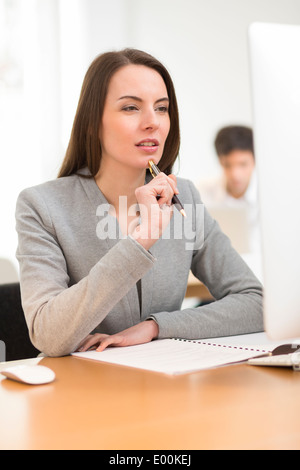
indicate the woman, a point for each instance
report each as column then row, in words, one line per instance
column 104, row 258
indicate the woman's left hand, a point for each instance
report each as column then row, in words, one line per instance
column 143, row 332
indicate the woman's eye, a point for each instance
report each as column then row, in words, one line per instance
column 160, row 109
column 130, row 108
column 163, row 109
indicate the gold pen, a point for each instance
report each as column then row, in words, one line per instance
column 154, row 170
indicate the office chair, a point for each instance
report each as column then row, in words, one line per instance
column 13, row 328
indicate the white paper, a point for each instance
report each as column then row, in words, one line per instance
column 172, row 356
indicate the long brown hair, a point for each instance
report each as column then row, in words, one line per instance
column 84, row 149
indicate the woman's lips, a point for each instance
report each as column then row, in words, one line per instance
column 148, row 145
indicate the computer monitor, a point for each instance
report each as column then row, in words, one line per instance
column 275, row 76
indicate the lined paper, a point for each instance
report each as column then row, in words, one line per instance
column 173, row 356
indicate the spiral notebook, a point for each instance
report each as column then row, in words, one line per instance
column 175, row 356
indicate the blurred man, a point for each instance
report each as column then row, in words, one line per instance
column 234, row 147
column 232, row 197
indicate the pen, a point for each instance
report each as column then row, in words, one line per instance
column 154, row 170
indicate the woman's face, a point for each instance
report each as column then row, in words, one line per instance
column 135, row 121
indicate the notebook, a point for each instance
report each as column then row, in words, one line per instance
column 178, row 356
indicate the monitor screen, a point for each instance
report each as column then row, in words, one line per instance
column 275, row 76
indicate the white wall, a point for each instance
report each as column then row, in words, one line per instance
column 203, row 43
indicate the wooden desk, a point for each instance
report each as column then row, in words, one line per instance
column 195, row 288
column 102, row 406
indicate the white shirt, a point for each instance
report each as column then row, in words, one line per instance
column 214, row 194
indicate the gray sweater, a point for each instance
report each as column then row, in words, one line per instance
column 79, row 275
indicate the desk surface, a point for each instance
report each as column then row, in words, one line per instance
column 95, row 405
column 195, row 288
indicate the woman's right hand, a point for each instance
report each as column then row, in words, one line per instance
column 156, row 210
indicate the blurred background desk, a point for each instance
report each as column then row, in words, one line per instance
column 197, row 289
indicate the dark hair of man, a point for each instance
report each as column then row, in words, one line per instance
column 234, row 138
column 84, row 149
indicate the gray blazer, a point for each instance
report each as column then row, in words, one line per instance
column 79, row 275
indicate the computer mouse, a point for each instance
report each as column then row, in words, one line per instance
column 29, row 374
